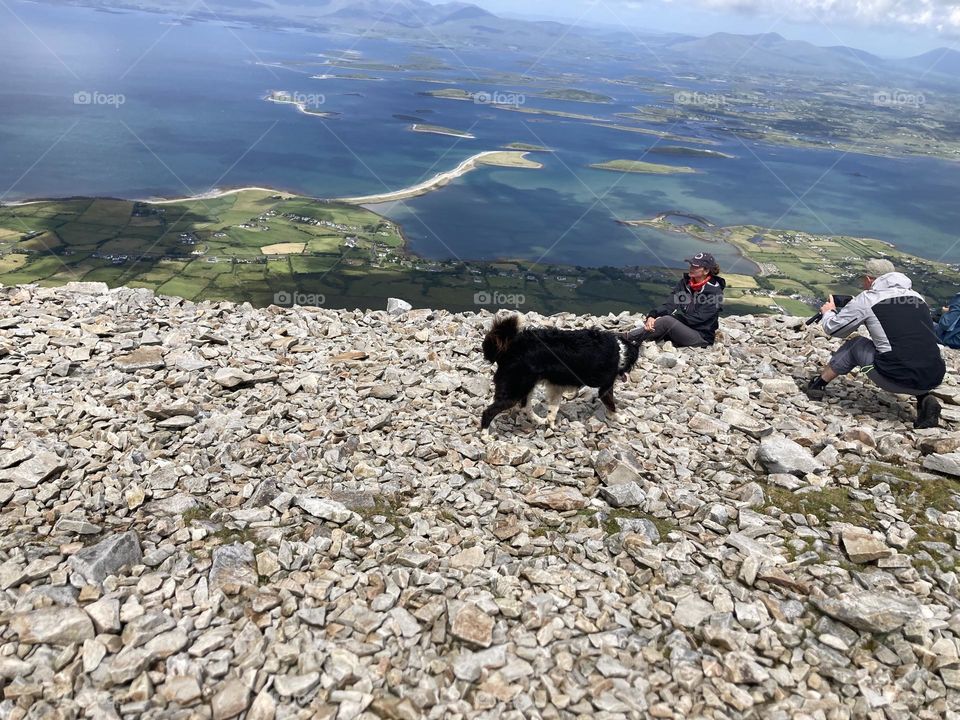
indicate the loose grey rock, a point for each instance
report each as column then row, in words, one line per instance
column 33, row 471
column 233, row 568
column 143, row 358
column 623, row 495
column 946, row 463
column 107, row 557
column 780, row 454
column 396, row 306
column 874, row 612
column 54, row 626
column 862, row 546
column 470, row 624
column 323, row 509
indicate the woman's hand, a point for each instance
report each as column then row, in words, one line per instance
column 649, row 324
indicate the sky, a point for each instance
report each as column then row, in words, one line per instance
column 891, row 28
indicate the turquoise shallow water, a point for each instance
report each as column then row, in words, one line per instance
column 193, row 118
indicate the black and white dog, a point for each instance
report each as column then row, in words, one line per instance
column 562, row 359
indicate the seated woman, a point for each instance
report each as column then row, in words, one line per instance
column 690, row 317
column 948, row 327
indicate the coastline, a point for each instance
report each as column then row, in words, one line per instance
column 517, row 158
column 659, row 222
column 438, row 180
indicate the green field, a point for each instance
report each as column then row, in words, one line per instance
column 798, row 270
column 345, row 256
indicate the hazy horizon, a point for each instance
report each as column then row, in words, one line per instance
column 887, row 39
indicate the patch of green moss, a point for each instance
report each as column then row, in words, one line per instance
column 914, row 494
column 829, row 504
column 395, row 511
column 791, row 553
column 611, row 527
column 200, row 512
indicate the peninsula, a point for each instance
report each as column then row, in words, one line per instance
column 499, row 158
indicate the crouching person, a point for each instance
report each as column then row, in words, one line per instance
column 690, row 317
column 901, row 355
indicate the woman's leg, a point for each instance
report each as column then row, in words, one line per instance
column 668, row 327
column 679, row 334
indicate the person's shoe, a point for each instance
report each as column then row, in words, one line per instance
column 928, row 412
column 816, row 389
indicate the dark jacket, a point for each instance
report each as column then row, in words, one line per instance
column 699, row 311
column 899, row 324
column 948, row 329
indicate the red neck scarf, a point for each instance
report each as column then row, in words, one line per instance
column 698, row 286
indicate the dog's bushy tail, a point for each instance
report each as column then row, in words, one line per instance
column 501, row 334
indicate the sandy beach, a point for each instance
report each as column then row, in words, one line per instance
column 489, row 157
column 214, row 194
column 497, row 158
column 425, row 128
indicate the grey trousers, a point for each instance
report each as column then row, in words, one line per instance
column 860, row 352
column 669, row 328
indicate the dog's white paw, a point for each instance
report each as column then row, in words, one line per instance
column 536, row 419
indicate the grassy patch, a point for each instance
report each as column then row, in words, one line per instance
column 200, row 512
column 610, row 525
column 914, row 494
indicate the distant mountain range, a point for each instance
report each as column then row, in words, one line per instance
column 774, row 53
column 462, row 23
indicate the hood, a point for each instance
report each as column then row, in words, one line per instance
column 891, row 281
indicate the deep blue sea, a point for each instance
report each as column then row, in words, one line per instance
column 193, row 118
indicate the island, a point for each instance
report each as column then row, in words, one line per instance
column 657, row 133
column 688, row 152
column 639, row 166
column 439, row 130
column 526, row 147
column 576, row 96
column 283, row 97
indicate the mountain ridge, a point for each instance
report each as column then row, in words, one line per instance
column 214, row 509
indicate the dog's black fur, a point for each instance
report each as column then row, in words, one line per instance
column 565, row 358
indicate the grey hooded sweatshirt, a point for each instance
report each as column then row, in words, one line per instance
column 900, row 326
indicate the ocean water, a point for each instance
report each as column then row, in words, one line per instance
column 193, row 118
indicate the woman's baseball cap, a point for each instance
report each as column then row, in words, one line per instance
column 702, row 259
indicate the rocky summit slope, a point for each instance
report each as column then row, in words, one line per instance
column 213, row 511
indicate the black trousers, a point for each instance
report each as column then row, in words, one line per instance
column 669, row 328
